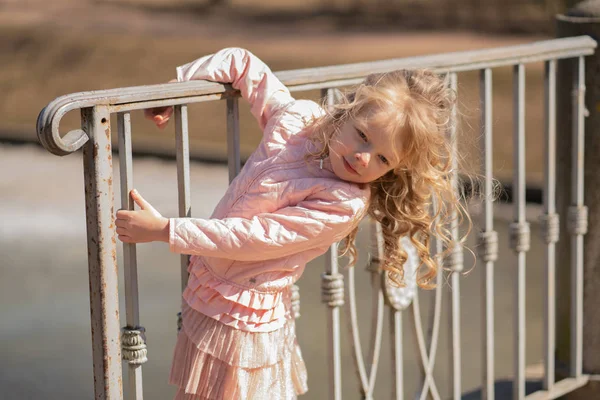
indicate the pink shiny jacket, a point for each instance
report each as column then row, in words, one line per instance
column 280, row 212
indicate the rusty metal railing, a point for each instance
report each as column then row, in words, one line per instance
column 95, row 139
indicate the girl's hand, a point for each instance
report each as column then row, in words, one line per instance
column 160, row 115
column 145, row 225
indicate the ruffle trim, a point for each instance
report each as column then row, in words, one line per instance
column 239, row 308
column 201, row 277
column 214, row 361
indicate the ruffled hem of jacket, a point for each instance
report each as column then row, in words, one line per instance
column 215, row 361
column 240, row 308
column 257, row 300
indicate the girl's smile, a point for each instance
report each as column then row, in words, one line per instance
column 348, row 167
column 362, row 156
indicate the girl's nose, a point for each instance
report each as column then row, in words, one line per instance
column 363, row 158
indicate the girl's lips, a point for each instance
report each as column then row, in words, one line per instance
column 349, row 167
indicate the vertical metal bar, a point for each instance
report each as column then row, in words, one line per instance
column 356, row 344
column 520, row 221
column 182, row 155
column 577, row 233
column 457, row 264
column 102, row 254
column 488, row 377
column 377, row 311
column 129, row 250
column 333, row 327
column 233, row 137
column 333, row 320
column 397, row 360
column 549, row 212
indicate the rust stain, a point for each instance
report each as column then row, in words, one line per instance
column 110, row 181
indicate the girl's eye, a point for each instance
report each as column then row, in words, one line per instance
column 362, row 135
column 383, row 159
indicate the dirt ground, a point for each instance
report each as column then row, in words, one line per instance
column 53, row 48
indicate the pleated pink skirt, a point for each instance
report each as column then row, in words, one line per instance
column 214, row 361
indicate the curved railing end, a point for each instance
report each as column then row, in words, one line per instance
column 49, row 135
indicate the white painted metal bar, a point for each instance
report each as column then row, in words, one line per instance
column 233, row 137
column 457, row 260
column 397, row 354
column 550, row 224
column 124, row 99
column 489, row 235
column 132, row 315
column 435, row 319
column 578, row 218
column 428, row 356
column 333, row 319
column 102, row 254
column 427, row 360
column 377, row 312
column 333, row 329
column 520, row 229
column 182, row 155
column 354, row 333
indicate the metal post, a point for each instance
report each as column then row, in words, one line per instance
column 519, row 230
column 488, row 239
column 102, row 254
column 134, row 346
column 333, row 320
column 578, row 320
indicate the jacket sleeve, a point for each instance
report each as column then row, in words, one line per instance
column 246, row 73
column 309, row 224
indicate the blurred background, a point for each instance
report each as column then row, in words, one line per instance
column 52, row 48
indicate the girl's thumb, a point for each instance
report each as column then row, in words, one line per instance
column 139, row 200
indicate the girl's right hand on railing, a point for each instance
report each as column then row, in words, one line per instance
column 160, row 115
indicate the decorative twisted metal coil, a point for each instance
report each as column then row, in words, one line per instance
column 519, row 236
column 133, row 344
column 550, row 224
column 488, row 246
column 332, row 289
column 578, row 220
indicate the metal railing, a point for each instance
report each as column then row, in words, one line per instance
column 109, row 347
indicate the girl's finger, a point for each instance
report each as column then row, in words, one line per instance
column 121, row 231
column 140, row 201
column 123, row 215
column 168, row 113
column 124, row 239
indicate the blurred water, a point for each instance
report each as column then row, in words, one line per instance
column 45, row 341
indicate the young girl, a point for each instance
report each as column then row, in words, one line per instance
column 383, row 151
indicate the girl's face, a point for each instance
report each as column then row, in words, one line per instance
column 359, row 154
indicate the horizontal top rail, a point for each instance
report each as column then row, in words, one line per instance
column 139, row 97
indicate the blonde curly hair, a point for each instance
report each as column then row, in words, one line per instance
column 416, row 198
